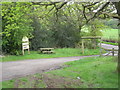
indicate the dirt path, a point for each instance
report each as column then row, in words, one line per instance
column 15, row 69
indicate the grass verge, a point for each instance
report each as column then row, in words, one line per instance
column 92, row 72
column 110, row 43
column 63, row 52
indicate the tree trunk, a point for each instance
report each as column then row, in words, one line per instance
column 117, row 5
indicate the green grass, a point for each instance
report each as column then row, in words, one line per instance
column 63, row 52
column 25, row 82
column 110, row 43
column 94, row 72
column 110, row 34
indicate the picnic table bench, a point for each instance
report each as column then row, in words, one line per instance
column 46, row 50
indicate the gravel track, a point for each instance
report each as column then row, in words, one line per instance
column 15, row 69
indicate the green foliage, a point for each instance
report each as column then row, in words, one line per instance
column 0, row 31
column 50, row 32
column 44, row 26
column 94, row 28
column 65, row 34
column 16, row 24
column 42, row 37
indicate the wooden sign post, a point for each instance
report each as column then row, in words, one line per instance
column 25, row 44
column 91, row 37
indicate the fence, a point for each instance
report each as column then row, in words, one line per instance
column 111, row 51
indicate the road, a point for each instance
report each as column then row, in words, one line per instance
column 15, row 69
column 107, row 46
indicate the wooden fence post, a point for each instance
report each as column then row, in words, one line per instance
column 23, row 51
column 100, row 48
column 112, row 51
column 82, row 46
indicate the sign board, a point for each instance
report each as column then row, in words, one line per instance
column 25, row 44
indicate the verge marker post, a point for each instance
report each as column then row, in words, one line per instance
column 100, row 48
column 112, row 51
column 82, row 46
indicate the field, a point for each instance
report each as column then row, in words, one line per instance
column 92, row 72
column 61, row 52
column 110, row 35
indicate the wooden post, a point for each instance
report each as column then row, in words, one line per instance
column 28, row 51
column 23, row 51
column 112, row 51
column 82, row 46
column 100, row 48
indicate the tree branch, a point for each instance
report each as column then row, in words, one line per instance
column 40, row 3
column 84, row 12
column 61, row 5
column 91, row 4
column 100, row 9
column 111, row 15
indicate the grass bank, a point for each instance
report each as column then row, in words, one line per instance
column 63, row 52
column 110, row 43
column 92, row 72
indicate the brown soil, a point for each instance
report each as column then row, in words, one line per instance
column 53, row 81
column 16, row 83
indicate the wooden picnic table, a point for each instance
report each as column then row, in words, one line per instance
column 46, row 50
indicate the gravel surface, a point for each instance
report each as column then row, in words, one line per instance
column 107, row 46
column 15, row 69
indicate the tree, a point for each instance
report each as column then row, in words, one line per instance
column 49, row 32
column 117, row 5
column 15, row 24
